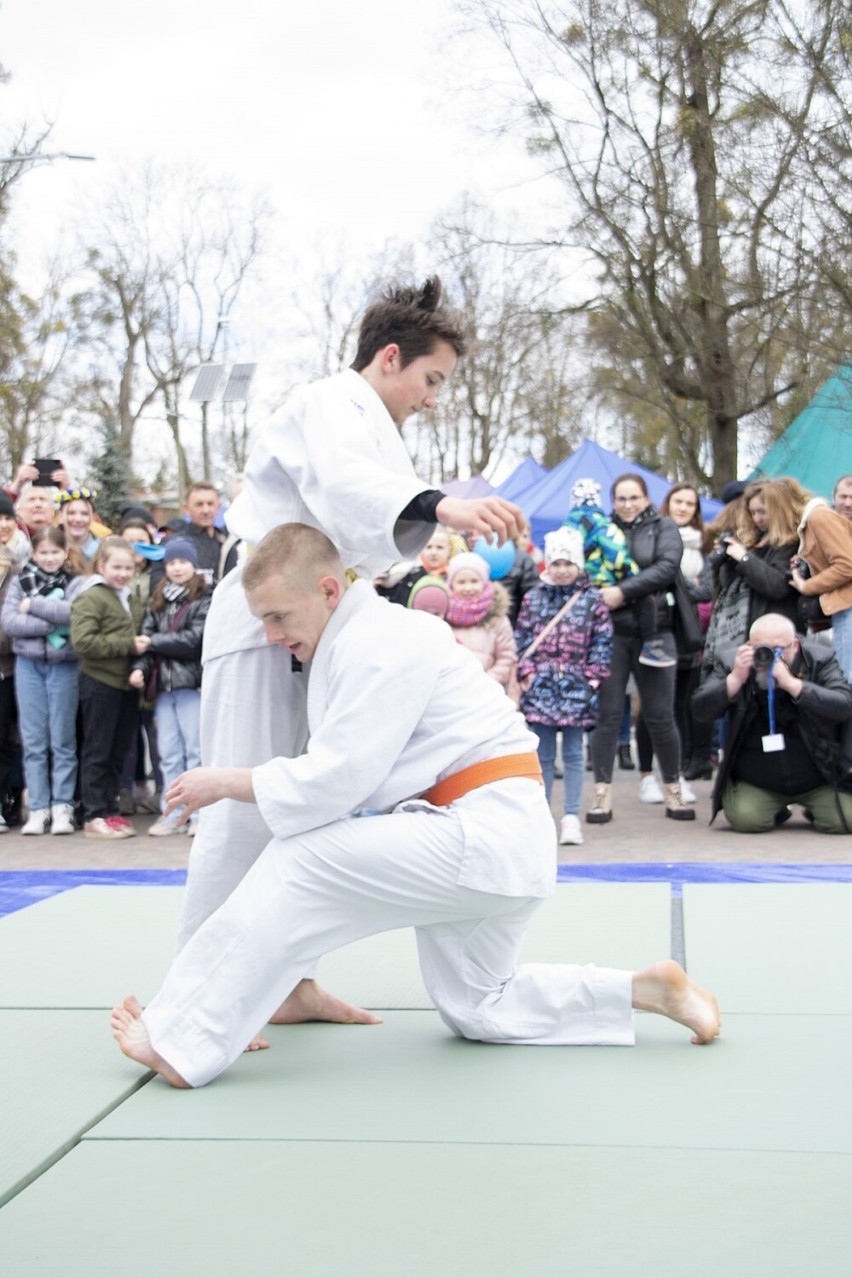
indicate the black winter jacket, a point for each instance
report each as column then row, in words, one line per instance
column 656, row 546
column 766, row 572
column 177, row 652
column 822, row 712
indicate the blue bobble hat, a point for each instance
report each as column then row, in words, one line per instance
column 180, row 548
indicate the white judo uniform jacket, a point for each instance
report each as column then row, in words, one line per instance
column 395, row 704
column 332, row 458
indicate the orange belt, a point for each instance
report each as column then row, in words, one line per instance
column 508, row 765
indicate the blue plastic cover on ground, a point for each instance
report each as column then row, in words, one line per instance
column 19, row 888
column 24, row 887
column 679, row 872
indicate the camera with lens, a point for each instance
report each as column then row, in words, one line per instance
column 764, row 656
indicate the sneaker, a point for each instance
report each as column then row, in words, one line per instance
column 160, row 829
column 686, row 791
column 126, row 828
column 601, row 810
column 625, row 758
column 675, row 806
column 570, row 830
column 100, row 828
column 126, row 802
column 38, row 822
column 4, row 829
column 62, row 821
column 654, row 654
column 649, row 790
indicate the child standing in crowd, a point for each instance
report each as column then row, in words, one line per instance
column 104, row 624
column 174, row 623
column 434, row 557
column 36, row 613
column 564, row 638
column 134, row 794
column 477, row 615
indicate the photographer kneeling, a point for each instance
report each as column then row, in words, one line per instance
column 787, row 704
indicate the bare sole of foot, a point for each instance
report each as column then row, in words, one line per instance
column 128, row 1030
column 666, row 989
column 309, row 1002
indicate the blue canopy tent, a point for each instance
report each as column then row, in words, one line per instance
column 816, row 448
column 522, row 478
column 548, row 502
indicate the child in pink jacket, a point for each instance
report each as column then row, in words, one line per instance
column 478, row 617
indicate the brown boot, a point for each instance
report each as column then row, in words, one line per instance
column 601, row 810
column 675, row 806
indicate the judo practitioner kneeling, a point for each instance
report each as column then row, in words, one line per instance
column 417, row 803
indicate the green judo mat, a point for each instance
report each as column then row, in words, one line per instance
column 360, row 1152
column 338, row 1210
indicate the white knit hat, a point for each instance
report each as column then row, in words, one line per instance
column 564, row 543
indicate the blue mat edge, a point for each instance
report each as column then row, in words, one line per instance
column 20, row 888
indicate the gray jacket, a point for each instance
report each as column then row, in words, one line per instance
column 29, row 630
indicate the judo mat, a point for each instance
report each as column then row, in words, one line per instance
column 356, row 1150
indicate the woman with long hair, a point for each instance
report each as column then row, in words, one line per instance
column 656, row 548
column 682, row 504
column 753, row 564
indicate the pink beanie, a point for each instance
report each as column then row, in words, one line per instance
column 471, row 562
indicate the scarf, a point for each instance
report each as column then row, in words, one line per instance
column 692, row 560
column 173, row 592
column 470, row 612
column 35, row 581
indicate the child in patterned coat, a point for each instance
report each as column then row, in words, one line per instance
column 564, row 640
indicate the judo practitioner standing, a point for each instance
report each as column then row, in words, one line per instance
column 403, row 722
column 331, row 458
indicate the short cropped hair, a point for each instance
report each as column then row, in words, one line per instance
column 292, row 551
column 201, row 486
column 844, row 479
column 415, row 319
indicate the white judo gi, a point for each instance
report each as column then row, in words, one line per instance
column 331, row 458
column 394, row 704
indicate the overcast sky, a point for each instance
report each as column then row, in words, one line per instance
column 346, row 112
column 359, row 120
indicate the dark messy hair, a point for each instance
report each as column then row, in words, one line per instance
column 415, row 319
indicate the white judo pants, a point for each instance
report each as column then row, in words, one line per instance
column 313, row 893
column 253, row 709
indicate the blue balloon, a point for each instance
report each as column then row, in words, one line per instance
column 500, row 559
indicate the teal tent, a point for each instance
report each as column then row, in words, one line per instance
column 816, row 448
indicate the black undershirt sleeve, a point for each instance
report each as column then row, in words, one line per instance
column 422, row 508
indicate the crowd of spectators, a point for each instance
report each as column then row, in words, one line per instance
column 100, row 653
column 101, row 633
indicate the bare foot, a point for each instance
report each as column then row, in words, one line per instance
column 128, row 1030
column 258, row 1044
column 666, row 989
column 309, row 1002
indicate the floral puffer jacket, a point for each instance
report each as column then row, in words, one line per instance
column 578, row 649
